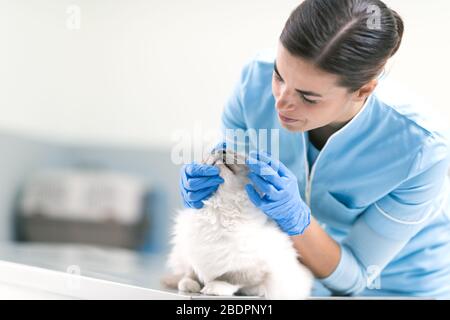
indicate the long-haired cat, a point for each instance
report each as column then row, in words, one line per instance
column 231, row 247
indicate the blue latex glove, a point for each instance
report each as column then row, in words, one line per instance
column 280, row 198
column 197, row 183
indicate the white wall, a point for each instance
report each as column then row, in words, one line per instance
column 137, row 71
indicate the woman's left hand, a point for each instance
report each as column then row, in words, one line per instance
column 280, row 198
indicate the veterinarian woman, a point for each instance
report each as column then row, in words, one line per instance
column 361, row 181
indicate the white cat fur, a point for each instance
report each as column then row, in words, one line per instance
column 229, row 246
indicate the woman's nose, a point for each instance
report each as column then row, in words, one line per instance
column 283, row 103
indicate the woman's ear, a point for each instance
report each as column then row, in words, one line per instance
column 366, row 90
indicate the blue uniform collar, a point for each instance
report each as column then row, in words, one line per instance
column 337, row 141
column 354, row 126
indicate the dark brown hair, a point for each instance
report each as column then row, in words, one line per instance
column 350, row 38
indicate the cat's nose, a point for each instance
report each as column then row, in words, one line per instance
column 227, row 159
column 223, row 155
column 219, row 155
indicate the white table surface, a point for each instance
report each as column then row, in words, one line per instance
column 40, row 271
column 83, row 272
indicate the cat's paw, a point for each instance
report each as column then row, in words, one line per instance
column 258, row 291
column 189, row 285
column 219, row 288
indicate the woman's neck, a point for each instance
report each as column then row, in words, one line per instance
column 320, row 136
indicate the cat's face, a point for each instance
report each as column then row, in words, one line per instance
column 231, row 165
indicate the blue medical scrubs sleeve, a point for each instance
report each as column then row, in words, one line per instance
column 383, row 229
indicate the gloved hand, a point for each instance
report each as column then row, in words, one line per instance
column 280, row 198
column 197, row 183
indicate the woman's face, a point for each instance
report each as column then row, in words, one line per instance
column 308, row 98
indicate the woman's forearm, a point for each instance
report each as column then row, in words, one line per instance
column 318, row 251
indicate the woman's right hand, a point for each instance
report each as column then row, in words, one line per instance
column 197, row 183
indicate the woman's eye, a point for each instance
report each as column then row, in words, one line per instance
column 307, row 100
column 277, row 77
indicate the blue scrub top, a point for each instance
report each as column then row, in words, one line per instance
column 313, row 152
column 379, row 186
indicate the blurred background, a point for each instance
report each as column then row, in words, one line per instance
column 94, row 95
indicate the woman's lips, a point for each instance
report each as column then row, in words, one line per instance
column 287, row 120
